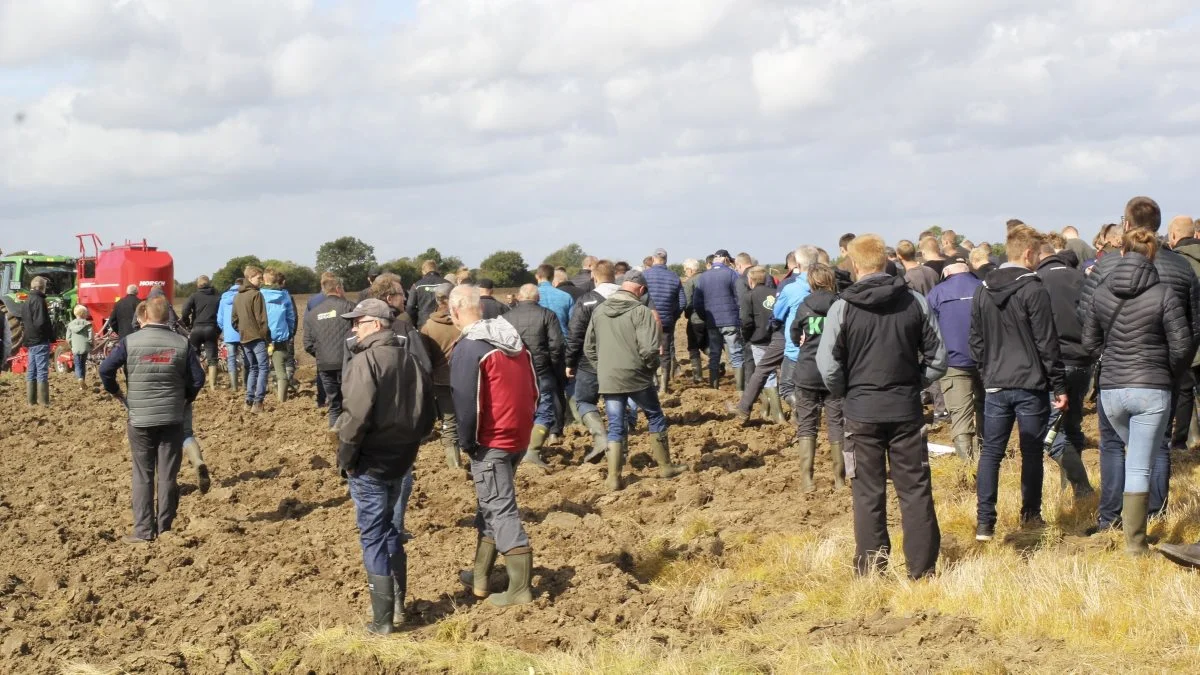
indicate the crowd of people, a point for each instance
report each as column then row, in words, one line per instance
column 865, row 343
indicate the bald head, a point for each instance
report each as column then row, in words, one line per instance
column 1069, row 232
column 528, row 292
column 1181, row 227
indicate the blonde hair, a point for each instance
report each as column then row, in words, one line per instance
column 757, row 274
column 1021, row 240
column 1140, row 241
column 821, row 277
column 81, row 312
column 868, row 253
column 979, row 257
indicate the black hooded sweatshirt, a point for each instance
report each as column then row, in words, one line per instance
column 880, row 348
column 201, row 308
column 1012, row 333
column 1141, row 327
column 1064, row 282
column 806, row 332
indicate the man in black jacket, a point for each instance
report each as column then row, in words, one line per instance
column 124, row 316
column 1014, row 341
column 543, row 338
column 1181, row 237
column 200, row 317
column 492, row 308
column 587, row 385
column 1174, row 271
column 421, row 301
column 756, row 305
column 880, row 379
column 1064, row 281
column 325, row 335
column 584, row 281
column 39, row 333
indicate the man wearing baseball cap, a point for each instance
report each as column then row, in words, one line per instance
column 668, row 299
column 716, row 299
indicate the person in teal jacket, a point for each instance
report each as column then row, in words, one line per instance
column 281, row 320
column 233, row 341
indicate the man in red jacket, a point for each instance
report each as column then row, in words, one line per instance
column 494, row 387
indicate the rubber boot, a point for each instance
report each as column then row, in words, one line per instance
column 599, row 436
column 453, row 460
column 697, row 370
column 1072, row 470
column 477, row 578
column 774, row 406
column 714, row 380
column 400, row 590
column 616, row 458
column 519, row 562
column 962, row 447
column 1133, row 522
column 661, row 451
column 839, row 464
column 536, row 441
column 739, row 378
column 191, row 449
column 383, row 599
column 576, row 418
column 212, row 378
column 31, row 392
column 82, row 385
column 662, row 380
column 807, row 445
column 43, row 393
column 281, row 390
column 234, row 385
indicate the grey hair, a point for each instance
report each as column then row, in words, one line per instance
column 528, row 292
column 465, row 297
column 805, row 257
column 39, row 283
column 691, row 264
column 131, row 289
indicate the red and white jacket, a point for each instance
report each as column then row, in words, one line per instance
column 494, row 387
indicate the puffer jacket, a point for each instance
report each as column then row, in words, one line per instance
column 666, row 294
column 581, row 318
column 806, row 333
column 623, row 341
column 715, row 297
column 1138, row 327
column 325, row 332
column 539, row 331
column 281, row 313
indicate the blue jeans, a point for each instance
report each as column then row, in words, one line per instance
column 1030, row 410
column 331, row 380
column 587, row 391
column 646, row 399
column 233, row 352
column 258, row 367
column 1071, row 432
column 406, row 486
column 1140, row 417
column 544, row 413
column 729, row 337
column 1112, row 473
column 375, row 502
column 757, row 352
column 80, row 365
column 38, row 363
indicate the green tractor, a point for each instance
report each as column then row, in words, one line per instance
column 17, row 271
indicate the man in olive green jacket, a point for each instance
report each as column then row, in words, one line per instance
column 624, row 341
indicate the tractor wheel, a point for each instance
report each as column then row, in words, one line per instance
column 16, row 332
column 59, row 365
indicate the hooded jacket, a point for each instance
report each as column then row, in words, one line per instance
column 1139, row 328
column 440, row 335
column 665, row 291
column 581, row 318
column 225, row 316
column 281, row 313
column 787, row 303
column 1064, row 282
column 201, row 308
column 1013, row 338
column 539, row 331
column 755, row 312
column 421, row 301
column 950, row 302
column 494, row 387
column 325, row 332
column 250, row 314
column 880, row 349
column 35, row 318
column 807, row 330
column 623, row 341
column 715, row 297
column 375, row 386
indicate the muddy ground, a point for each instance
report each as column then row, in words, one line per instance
column 271, row 554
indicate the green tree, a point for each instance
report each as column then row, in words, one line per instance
column 348, row 257
column 445, row 263
column 300, row 278
column 677, row 268
column 184, row 289
column 232, row 271
column 506, row 268
column 570, row 256
column 405, row 268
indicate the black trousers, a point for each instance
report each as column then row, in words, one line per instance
column 877, row 446
column 1185, row 406
column 157, row 453
column 204, row 336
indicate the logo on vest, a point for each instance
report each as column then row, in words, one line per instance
column 159, row 358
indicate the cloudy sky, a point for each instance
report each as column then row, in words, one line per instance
column 223, row 127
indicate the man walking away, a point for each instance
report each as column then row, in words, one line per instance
column 1064, row 282
column 787, row 304
column 1014, row 341
column 587, row 387
column 388, row 409
column 920, row 278
column 563, row 283
column 281, row 320
column 494, row 386
column 441, row 335
column 810, row 392
column 715, row 298
column 583, row 281
column 123, row 319
column 758, row 330
column 1181, row 236
column 880, row 347
column 1080, row 247
column 668, row 299
column 421, row 301
column 697, row 333
column 538, row 328
column 931, row 255
column 553, row 299
column 233, row 341
column 250, row 320
column 163, row 376
column 325, row 333
column 623, row 339
column 200, row 318
column 39, row 333
column 950, row 302
column 492, row 308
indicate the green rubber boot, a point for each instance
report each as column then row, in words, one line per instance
column 477, row 578
column 807, row 447
column 519, row 562
column 661, row 448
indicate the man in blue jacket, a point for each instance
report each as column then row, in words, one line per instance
column 950, row 302
column 668, row 299
column 233, row 341
column 281, row 320
column 787, row 304
column 716, row 299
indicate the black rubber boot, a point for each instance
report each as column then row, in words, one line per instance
column 383, row 598
column 477, row 579
column 697, row 370
column 661, row 449
column 400, row 589
column 599, row 436
column 31, row 392
column 519, row 562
